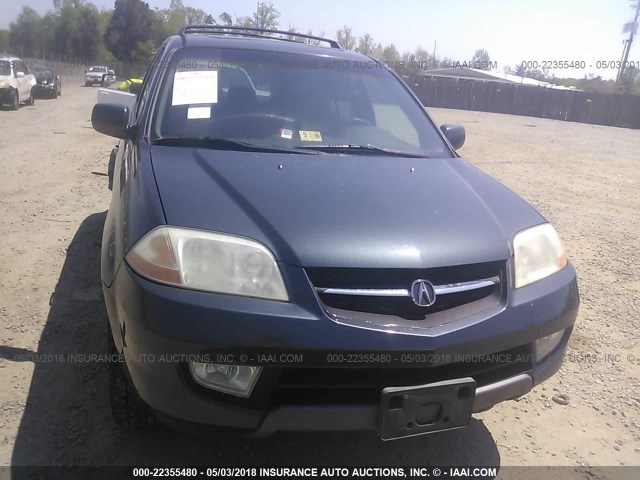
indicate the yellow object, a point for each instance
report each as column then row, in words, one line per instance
column 310, row 136
column 126, row 85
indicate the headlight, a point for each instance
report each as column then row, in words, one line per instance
column 208, row 261
column 538, row 253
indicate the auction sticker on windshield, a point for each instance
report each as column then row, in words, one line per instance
column 198, row 112
column 195, row 87
column 310, row 136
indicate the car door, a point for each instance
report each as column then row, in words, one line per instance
column 24, row 85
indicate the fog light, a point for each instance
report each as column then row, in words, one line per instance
column 545, row 345
column 236, row 380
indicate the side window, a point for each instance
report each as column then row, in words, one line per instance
column 144, row 94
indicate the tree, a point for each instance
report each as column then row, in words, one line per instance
column 390, row 54
column 365, row 44
column 130, row 26
column 76, row 30
column 481, row 60
column 4, row 41
column 266, row 16
column 346, row 38
column 522, row 70
column 226, row 19
column 24, row 33
column 104, row 19
column 631, row 80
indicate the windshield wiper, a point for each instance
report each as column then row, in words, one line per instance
column 363, row 149
column 222, row 144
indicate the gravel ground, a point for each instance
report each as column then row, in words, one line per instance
column 53, row 197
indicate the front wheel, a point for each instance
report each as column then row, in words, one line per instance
column 15, row 100
column 127, row 408
column 32, row 99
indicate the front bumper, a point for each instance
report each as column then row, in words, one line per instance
column 48, row 89
column 5, row 96
column 151, row 322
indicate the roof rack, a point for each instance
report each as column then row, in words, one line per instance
column 251, row 32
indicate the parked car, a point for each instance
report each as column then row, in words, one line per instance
column 292, row 244
column 98, row 75
column 16, row 83
column 48, row 83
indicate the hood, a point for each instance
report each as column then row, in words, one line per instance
column 344, row 210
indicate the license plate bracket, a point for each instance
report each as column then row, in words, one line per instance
column 421, row 409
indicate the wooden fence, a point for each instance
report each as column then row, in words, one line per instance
column 488, row 96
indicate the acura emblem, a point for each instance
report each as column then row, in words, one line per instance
column 422, row 293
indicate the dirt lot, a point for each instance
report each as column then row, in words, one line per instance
column 53, row 197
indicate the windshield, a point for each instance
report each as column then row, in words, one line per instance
column 292, row 101
column 44, row 75
column 98, row 69
column 5, row 68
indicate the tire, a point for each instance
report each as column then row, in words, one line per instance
column 87, row 84
column 127, row 408
column 15, row 101
column 32, row 99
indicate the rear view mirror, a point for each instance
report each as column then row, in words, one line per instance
column 110, row 119
column 20, row 75
column 455, row 134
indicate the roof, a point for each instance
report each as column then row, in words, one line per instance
column 263, row 43
column 492, row 76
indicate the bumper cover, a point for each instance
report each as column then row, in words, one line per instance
column 151, row 320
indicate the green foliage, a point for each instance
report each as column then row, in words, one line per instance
column 266, row 16
column 226, row 19
column 631, row 81
column 75, row 30
column 390, row 54
column 129, row 28
column 346, row 39
column 481, row 59
column 535, row 73
column 170, row 20
column 365, row 44
column 24, row 33
column 4, row 40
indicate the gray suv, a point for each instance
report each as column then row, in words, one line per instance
column 292, row 244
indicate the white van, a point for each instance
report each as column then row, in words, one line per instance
column 16, row 82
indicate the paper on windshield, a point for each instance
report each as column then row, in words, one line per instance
column 198, row 112
column 195, row 87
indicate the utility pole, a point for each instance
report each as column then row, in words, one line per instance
column 627, row 44
column 435, row 63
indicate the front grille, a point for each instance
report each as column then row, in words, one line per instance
column 305, row 386
column 403, row 307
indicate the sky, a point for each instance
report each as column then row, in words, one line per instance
column 510, row 30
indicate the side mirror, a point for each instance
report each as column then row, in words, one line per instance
column 110, row 119
column 455, row 134
column 20, row 75
column 135, row 88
